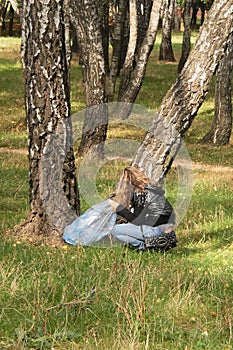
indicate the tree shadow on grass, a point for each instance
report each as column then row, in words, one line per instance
column 202, row 241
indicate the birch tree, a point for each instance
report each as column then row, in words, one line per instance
column 95, row 76
column 118, row 44
column 180, row 105
column 53, row 191
column 166, row 50
column 221, row 128
column 186, row 44
column 86, row 19
column 129, row 91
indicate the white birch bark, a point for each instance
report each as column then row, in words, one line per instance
column 181, row 103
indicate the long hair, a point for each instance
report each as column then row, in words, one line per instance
column 132, row 179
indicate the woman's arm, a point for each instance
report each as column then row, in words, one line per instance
column 121, row 210
column 125, row 213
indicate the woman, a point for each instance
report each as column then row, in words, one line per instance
column 143, row 205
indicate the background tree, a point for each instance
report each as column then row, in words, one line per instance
column 220, row 131
column 119, row 29
column 53, row 192
column 201, row 5
column 10, row 17
column 143, row 20
column 97, row 83
column 180, row 105
column 86, row 17
column 186, row 44
column 129, row 91
column 166, row 50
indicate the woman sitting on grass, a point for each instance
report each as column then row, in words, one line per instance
column 141, row 204
column 144, row 207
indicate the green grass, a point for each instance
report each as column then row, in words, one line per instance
column 63, row 297
column 13, row 189
column 172, row 301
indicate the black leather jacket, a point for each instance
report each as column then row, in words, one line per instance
column 148, row 208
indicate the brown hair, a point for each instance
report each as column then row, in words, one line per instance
column 132, row 179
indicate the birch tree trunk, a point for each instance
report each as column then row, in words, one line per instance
column 143, row 16
column 130, row 91
column 186, row 44
column 166, row 50
column 129, row 59
column 117, row 44
column 220, row 132
column 53, row 192
column 15, row 6
column 181, row 103
column 86, row 20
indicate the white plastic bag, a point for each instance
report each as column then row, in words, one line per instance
column 93, row 228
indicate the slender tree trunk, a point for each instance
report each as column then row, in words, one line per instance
column 11, row 22
column 88, row 28
column 130, row 91
column 176, row 19
column 53, row 192
column 143, row 15
column 194, row 15
column 220, row 132
column 104, row 15
column 203, row 8
column 117, row 45
column 129, row 59
column 166, row 50
column 3, row 16
column 186, row 45
column 181, row 103
column 15, row 6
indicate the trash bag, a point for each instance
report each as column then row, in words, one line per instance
column 93, row 228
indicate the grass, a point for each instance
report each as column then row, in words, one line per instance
column 60, row 297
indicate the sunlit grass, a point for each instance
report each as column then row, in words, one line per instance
column 167, row 301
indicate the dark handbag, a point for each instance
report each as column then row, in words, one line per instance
column 162, row 242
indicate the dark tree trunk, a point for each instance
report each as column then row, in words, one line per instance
column 220, row 132
column 130, row 55
column 75, row 44
column 104, row 15
column 166, row 50
column 181, row 103
column 117, row 41
column 194, row 15
column 143, row 16
column 186, row 45
column 176, row 19
column 11, row 22
column 88, row 28
column 203, row 8
column 4, row 8
column 53, row 191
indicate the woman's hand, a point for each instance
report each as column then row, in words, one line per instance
column 113, row 204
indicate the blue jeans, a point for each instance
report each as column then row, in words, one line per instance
column 134, row 235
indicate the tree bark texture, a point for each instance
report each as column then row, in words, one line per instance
column 220, row 132
column 166, row 50
column 186, row 44
column 176, row 18
column 87, row 22
column 129, row 59
column 181, row 103
column 117, row 41
column 104, row 16
column 143, row 16
column 130, row 91
column 53, row 191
